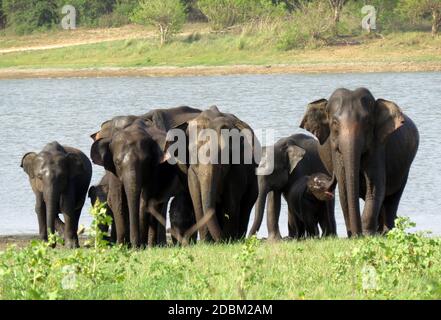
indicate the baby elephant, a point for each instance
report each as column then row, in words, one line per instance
column 100, row 192
column 308, row 200
column 182, row 217
column 59, row 176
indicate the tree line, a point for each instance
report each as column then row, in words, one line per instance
column 168, row 16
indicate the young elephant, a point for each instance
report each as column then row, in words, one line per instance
column 292, row 158
column 59, row 176
column 100, row 192
column 307, row 202
column 182, row 217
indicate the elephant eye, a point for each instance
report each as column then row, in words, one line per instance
column 39, row 176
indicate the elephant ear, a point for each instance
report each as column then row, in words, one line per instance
column 295, row 155
column 92, row 193
column 27, row 164
column 76, row 164
column 316, row 120
column 388, row 118
column 101, row 155
column 159, row 136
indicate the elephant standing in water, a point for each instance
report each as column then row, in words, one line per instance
column 294, row 159
column 223, row 192
column 59, row 176
column 369, row 145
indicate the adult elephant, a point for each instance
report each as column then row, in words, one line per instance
column 292, row 158
column 59, row 176
column 369, row 145
column 144, row 179
column 167, row 180
column 223, row 192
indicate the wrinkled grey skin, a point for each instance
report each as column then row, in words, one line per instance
column 308, row 199
column 100, row 192
column 369, row 145
column 59, row 176
column 182, row 217
column 295, row 157
column 158, row 180
column 222, row 193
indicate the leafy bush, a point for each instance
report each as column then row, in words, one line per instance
column 310, row 25
column 89, row 11
column 167, row 15
column 389, row 257
column 222, row 14
column 26, row 16
column 40, row 272
column 120, row 15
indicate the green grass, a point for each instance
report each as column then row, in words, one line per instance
column 226, row 49
column 406, row 266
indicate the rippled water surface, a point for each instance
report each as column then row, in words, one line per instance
column 37, row 111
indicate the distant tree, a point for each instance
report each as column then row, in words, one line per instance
column 423, row 8
column 25, row 16
column 2, row 17
column 337, row 7
column 167, row 15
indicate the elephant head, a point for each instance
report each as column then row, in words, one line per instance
column 51, row 173
column 353, row 125
column 321, row 186
column 134, row 155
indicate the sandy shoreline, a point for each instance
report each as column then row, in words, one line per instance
column 18, row 73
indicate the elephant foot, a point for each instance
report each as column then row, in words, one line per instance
column 72, row 244
column 274, row 237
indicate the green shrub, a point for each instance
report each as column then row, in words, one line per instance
column 389, row 257
column 222, row 14
column 27, row 16
column 89, row 11
column 167, row 15
column 310, row 26
column 120, row 15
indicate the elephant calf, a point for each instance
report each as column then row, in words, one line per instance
column 308, row 199
column 60, row 177
column 100, row 192
column 294, row 160
column 182, row 217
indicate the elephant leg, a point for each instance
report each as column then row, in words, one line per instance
column 246, row 206
column 144, row 223
column 117, row 202
column 70, row 229
column 40, row 210
column 273, row 213
column 375, row 193
column 292, row 224
column 330, row 215
column 382, row 221
column 161, row 232
column 344, row 204
column 152, row 231
column 59, row 226
column 195, row 192
column 390, row 205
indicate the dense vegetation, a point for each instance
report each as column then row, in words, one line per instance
column 295, row 22
column 402, row 265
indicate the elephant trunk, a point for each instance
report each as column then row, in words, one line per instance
column 132, row 187
column 209, row 189
column 260, row 208
column 52, row 199
column 351, row 160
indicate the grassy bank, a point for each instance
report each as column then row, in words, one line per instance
column 195, row 48
column 402, row 266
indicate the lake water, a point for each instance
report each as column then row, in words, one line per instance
column 37, row 111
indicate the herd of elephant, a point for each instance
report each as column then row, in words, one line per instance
column 364, row 145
